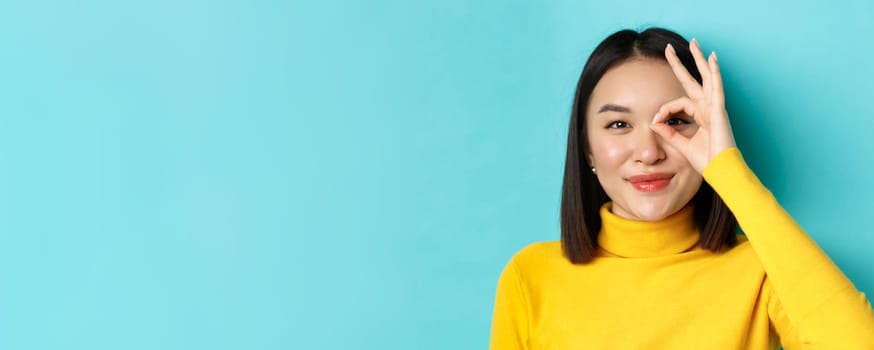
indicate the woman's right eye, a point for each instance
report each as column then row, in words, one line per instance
column 617, row 125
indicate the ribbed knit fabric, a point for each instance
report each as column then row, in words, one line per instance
column 652, row 287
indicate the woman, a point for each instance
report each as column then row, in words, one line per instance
column 654, row 188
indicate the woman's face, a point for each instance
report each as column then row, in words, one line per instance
column 645, row 177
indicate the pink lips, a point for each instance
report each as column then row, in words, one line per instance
column 650, row 182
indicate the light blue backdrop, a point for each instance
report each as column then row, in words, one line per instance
column 345, row 175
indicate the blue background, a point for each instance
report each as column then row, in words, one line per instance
column 336, row 175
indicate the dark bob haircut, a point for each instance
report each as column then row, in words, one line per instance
column 582, row 195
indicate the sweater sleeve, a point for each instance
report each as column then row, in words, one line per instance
column 510, row 318
column 817, row 301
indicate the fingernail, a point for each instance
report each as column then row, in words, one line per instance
column 671, row 48
column 714, row 57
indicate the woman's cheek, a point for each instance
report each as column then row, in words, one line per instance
column 611, row 153
column 606, row 151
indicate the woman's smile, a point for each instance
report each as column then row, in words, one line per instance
column 650, row 182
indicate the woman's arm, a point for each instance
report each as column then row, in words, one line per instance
column 822, row 307
column 510, row 319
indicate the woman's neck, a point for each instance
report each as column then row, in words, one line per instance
column 645, row 239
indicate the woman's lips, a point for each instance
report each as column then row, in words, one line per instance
column 650, row 182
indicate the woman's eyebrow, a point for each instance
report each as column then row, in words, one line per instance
column 614, row 108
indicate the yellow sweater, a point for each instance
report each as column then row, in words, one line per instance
column 652, row 287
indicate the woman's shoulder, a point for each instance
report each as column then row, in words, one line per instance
column 743, row 245
column 539, row 250
column 538, row 254
column 740, row 257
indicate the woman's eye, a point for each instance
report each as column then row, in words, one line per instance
column 617, row 125
column 676, row 121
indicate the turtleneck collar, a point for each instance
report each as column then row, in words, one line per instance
column 641, row 239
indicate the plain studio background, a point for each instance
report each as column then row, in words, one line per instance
column 355, row 175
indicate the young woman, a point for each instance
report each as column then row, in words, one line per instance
column 654, row 188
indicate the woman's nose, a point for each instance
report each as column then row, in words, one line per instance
column 649, row 149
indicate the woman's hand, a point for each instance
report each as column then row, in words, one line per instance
column 705, row 103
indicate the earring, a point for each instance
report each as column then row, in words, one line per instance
column 594, row 171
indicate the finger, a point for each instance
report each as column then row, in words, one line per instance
column 717, row 92
column 674, row 137
column 671, row 135
column 682, row 104
column 690, row 85
column 701, row 63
